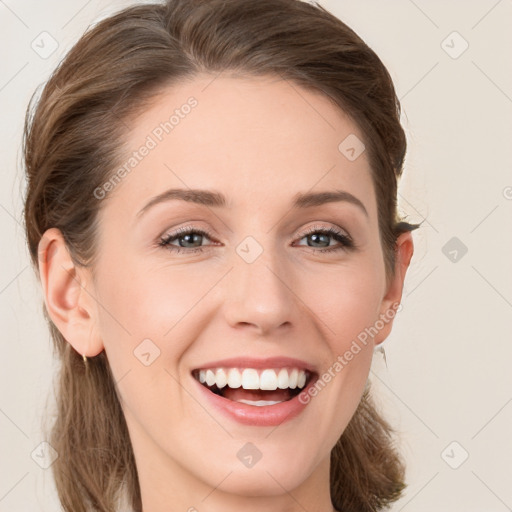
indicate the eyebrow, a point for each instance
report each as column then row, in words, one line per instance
column 216, row 199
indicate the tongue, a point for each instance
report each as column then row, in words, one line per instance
column 278, row 395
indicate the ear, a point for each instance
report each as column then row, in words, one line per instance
column 404, row 249
column 68, row 294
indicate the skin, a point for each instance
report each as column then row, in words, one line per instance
column 259, row 141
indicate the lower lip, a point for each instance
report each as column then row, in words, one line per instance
column 264, row 416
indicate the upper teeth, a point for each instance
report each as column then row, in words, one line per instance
column 249, row 378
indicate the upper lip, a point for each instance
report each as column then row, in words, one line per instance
column 267, row 362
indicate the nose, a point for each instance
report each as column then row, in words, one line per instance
column 259, row 295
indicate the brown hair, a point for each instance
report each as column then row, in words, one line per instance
column 73, row 139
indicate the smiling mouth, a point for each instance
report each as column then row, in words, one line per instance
column 260, row 387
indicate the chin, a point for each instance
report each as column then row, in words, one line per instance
column 276, row 470
column 272, row 480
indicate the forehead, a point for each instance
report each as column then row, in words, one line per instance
column 258, row 139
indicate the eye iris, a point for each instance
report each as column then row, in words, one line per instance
column 195, row 237
column 188, row 238
column 315, row 237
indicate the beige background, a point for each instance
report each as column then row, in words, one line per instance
column 448, row 387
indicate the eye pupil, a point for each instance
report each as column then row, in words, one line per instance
column 315, row 236
column 187, row 237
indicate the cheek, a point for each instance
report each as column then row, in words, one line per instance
column 155, row 301
column 148, row 301
column 348, row 314
column 139, row 304
column 345, row 307
column 345, row 301
column 142, row 318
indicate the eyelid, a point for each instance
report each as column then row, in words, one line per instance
column 319, row 227
column 183, row 230
column 344, row 241
column 341, row 235
column 312, row 229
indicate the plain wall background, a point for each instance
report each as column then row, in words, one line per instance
column 448, row 387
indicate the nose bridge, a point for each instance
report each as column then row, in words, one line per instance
column 258, row 290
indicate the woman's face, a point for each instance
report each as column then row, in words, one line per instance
column 265, row 289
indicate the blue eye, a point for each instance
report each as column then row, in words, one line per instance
column 344, row 241
column 189, row 235
column 186, row 236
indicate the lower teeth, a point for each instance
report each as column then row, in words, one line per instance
column 259, row 403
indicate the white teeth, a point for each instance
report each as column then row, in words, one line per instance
column 210, row 378
column 221, row 379
column 259, row 403
column 234, row 378
column 282, row 379
column 301, row 381
column 292, row 379
column 268, row 379
column 249, row 378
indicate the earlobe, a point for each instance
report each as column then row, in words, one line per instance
column 68, row 302
column 404, row 249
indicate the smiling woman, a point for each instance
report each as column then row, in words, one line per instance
column 216, row 304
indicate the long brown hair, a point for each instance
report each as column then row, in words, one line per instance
column 71, row 145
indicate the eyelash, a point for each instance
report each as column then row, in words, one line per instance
column 346, row 242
